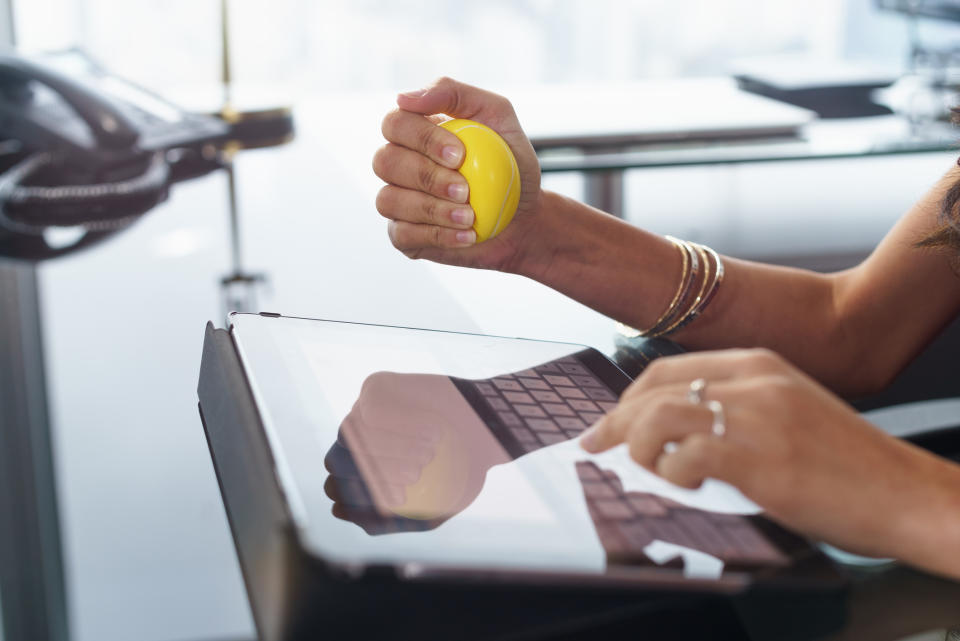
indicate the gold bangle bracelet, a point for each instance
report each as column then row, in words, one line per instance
column 714, row 286
column 686, row 285
column 676, row 324
column 685, row 268
column 678, row 314
column 632, row 332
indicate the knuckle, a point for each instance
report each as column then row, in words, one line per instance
column 776, row 386
column 436, row 236
column 388, row 124
column 638, row 451
column 385, row 200
column 503, row 104
column 426, row 137
column 661, row 406
column 433, row 211
column 393, row 233
column 642, row 449
column 701, row 449
column 427, row 177
column 381, row 162
column 656, row 369
column 761, row 359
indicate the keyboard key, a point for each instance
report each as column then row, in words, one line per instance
column 590, row 418
column 570, row 392
column 523, row 435
column 612, row 539
column 546, row 397
column 534, row 383
column 573, row 368
column 486, row 389
column 670, row 504
column 498, row 404
column 606, row 406
column 510, row 419
column 551, row 439
column 506, row 384
column 703, row 532
column 527, row 373
column 668, row 531
column 753, row 546
column 613, row 480
column 635, row 534
column 588, row 472
column 542, row 425
column 571, row 423
column 530, row 411
column 613, row 509
column 518, row 397
column 600, row 394
column 645, row 504
column 598, row 490
column 558, row 409
column 559, row 381
column 584, row 406
column 586, row 381
column 574, row 433
column 548, row 368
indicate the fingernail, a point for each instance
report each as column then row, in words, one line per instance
column 467, row 237
column 458, row 192
column 462, row 216
column 416, row 93
column 451, row 155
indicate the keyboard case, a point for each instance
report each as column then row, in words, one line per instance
column 296, row 595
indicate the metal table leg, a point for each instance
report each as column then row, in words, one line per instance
column 31, row 567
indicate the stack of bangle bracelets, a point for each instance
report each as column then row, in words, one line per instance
column 700, row 278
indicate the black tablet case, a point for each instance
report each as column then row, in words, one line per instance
column 295, row 595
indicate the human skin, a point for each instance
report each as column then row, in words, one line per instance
column 850, row 331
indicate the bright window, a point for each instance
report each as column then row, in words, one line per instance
column 373, row 44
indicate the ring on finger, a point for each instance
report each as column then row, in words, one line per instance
column 698, row 387
column 719, row 425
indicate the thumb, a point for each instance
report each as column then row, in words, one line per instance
column 459, row 100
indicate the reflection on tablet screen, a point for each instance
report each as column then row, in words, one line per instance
column 415, row 449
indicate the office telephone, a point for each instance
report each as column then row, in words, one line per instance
column 82, row 148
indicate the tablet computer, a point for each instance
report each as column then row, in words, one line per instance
column 445, row 457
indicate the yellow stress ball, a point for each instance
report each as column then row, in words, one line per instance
column 492, row 175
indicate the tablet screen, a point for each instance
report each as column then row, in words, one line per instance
column 405, row 446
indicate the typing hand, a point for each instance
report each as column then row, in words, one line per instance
column 425, row 198
column 797, row 450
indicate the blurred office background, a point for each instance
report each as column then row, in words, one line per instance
column 332, row 45
column 336, row 47
column 147, row 551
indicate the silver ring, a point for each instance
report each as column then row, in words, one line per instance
column 719, row 427
column 697, row 388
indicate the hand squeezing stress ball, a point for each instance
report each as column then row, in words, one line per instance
column 492, row 176
column 463, row 180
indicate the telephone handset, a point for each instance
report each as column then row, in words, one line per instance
column 50, row 111
column 92, row 150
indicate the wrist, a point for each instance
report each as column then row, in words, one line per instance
column 931, row 520
column 536, row 246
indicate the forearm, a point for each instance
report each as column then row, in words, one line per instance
column 631, row 275
column 922, row 515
